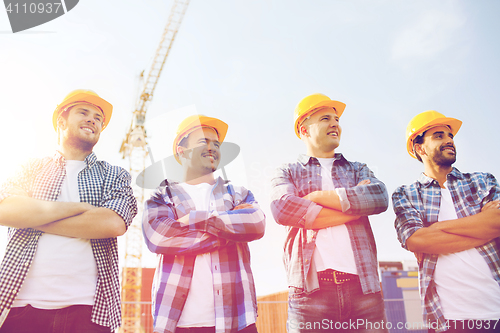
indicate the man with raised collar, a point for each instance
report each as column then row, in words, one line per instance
column 451, row 221
column 60, row 270
column 330, row 254
column 201, row 228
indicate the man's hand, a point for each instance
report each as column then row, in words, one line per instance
column 364, row 182
column 419, row 256
column 243, row 206
column 184, row 219
column 491, row 205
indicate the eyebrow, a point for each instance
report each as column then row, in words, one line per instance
column 442, row 132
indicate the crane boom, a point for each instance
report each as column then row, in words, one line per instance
column 134, row 146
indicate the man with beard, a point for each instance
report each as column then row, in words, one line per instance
column 451, row 221
column 60, row 269
column 200, row 229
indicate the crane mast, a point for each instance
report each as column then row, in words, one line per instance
column 134, row 146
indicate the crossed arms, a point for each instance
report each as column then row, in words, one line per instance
column 199, row 231
column 70, row 219
column 368, row 197
column 446, row 236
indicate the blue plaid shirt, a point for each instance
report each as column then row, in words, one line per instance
column 223, row 233
column 294, row 181
column 417, row 205
column 100, row 184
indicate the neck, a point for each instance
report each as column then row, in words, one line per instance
column 194, row 179
column 437, row 172
column 71, row 153
column 319, row 153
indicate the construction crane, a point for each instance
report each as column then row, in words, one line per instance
column 134, row 146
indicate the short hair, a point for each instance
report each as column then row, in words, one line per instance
column 419, row 139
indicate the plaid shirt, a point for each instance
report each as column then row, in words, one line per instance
column 417, row 206
column 294, row 181
column 223, row 233
column 100, row 184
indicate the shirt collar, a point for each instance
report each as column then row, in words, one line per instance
column 426, row 180
column 60, row 160
column 305, row 159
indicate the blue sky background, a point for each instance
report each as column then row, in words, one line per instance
column 249, row 63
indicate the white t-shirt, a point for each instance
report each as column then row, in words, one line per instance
column 333, row 245
column 64, row 271
column 464, row 282
column 199, row 309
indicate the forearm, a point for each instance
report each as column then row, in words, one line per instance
column 484, row 225
column 327, row 199
column 330, row 218
column 26, row 212
column 434, row 241
column 93, row 224
column 240, row 225
column 169, row 237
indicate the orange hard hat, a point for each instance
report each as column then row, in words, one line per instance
column 427, row 120
column 308, row 105
column 83, row 96
column 194, row 122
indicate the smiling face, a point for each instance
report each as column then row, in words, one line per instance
column 321, row 133
column 438, row 146
column 81, row 126
column 202, row 152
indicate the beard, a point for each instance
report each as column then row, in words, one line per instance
column 442, row 160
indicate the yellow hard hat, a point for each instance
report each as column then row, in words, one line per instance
column 83, row 96
column 194, row 122
column 424, row 121
column 309, row 104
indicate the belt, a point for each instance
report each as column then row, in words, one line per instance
column 331, row 276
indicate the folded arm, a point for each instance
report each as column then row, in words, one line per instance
column 484, row 225
column 416, row 238
column 20, row 211
column 317, row 210
column 93, row 224
column 165, row 235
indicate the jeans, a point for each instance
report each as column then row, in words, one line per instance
column 73, row 319
column 336, row 307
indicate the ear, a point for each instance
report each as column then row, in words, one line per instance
column 419, row 149
column 180, row 151
column 303, row 131
column 61, row 122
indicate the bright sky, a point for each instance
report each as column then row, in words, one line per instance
column 249, row 63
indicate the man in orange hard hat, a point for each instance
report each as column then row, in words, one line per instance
column 60, row 270
column 200, row 229
column 330, row 254
column 451, row 221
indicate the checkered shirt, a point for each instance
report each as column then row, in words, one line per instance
column 223, row 233
column 417, row 206
column 100, row 184
column 295, row 180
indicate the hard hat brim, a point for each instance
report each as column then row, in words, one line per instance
column 200, row 122
column 452, row 123
column 84, row 98
column 338, row 106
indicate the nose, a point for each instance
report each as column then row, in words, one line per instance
column 334, row 122
column 91, row 120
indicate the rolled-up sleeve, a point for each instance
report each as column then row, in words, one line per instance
column 287, row 208
column 368, row 199
column 408, row 219
column 120, row 197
